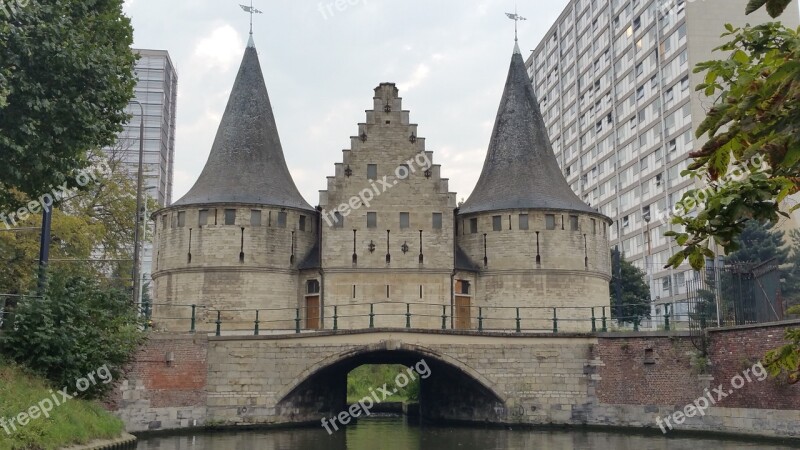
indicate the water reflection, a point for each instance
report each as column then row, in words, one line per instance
column 397, row 434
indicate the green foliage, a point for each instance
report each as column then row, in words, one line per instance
column 785, row 361
column 774, row 7
column 66, row 76
column 372, row 376
column 78, row 327
column 635, row 301
column 751, row 161
column 75, row 422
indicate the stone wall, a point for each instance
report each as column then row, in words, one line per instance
column 158, row 394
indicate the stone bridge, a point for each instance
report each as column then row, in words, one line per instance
column 619, row 379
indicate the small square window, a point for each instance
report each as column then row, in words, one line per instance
column 203, row 217
column 255, row 217
column 312, row 287
column 282, row 219
column 372, row 220
column 497, row 223
column 473, row 225
column 462, row 287
column 523, row 221
column 404, row 220
column 230, row 217
column 302, row 224
column 372, row 171
column 437, row 221
column 550, row 221
column 181, row 219
column 573, row 223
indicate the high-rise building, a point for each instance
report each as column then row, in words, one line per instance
column 156, row 90
column 615, row 83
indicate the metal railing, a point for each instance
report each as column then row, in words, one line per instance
column 396, row 315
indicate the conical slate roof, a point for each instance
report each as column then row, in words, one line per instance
column 246, row 163
column 521, row 171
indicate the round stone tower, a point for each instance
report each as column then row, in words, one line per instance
column 237, row 240
column 527, row 240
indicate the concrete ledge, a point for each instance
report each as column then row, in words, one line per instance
column 643, row 334
column 125, row 442
column 785, row 323
column 448, row 332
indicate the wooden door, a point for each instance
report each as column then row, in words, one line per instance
column 463, row 313
column 312, row 312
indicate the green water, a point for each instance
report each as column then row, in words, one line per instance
column 396, row 433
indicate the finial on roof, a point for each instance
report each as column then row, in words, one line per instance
column 516, row 18
column 251, row 10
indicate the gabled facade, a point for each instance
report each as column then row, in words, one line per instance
column 387, row 239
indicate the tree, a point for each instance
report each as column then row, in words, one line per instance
column 774, row 7
column 751, row 161
column 759, row 242
column 81, row 325
column 634, row 304
column 66, row 76
column 790, row 288
column 786, row 360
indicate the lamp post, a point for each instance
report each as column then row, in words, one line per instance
column 139, row 177
column 144, row 239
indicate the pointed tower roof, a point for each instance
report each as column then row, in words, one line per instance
column 246, row 163
column 521, row 171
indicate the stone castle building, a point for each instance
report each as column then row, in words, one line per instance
column 387, row 246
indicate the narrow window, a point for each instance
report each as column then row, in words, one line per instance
column 594, row 226
column 302, row 224
column 573, row 223
column 282, row 219
column 404, row 220
column 230, row 217
column 372, row 171
column 550, row 221
column 473, row 225
column 372, row 220
column 255, row 217
column 202, row 218
column 497, row 223
column 437, row 221
column 181, row 219
column 523, row 222
column 338, row 219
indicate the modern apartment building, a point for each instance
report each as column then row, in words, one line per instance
column 615, row 84
column 156, row 90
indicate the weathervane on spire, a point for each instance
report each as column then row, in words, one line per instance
column 252, row 11
column 516, row 18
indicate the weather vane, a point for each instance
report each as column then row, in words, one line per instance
column 516, row 18
column 252, row 11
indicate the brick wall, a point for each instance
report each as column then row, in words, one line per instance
column 649, row 369
column 733, row 351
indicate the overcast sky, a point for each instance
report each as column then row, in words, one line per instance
column 448, row 57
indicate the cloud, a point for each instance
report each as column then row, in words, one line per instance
column 420, row 74
column 220, row 51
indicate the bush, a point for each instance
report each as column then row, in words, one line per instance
column 80, row 326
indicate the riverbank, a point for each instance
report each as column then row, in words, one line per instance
column 75, row 422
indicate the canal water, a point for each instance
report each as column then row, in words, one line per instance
column 396, row 433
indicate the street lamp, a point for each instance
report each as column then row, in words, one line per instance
column 144, row 239
column 139, row 176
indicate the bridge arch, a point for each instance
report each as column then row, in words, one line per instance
column 453, row 390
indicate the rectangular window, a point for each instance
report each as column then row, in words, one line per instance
column 255, row 217
column 473, row 225
column 497, row 223
column 181, row 219
column 404, row 220
column 462, row 287
column 523, row 221
column 372, row 220
column 573, row 223
column 230, row 217
column 302, row 224
column 338, row 220
column 437, row 221
column 372, row 171
column 550, row 221
column 203, row 217
column 594, row 226
column 282, row 219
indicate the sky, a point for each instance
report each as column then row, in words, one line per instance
column 321, row 63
